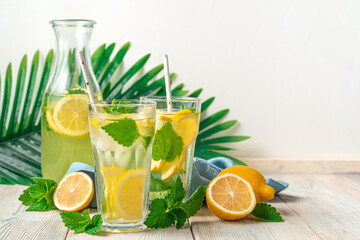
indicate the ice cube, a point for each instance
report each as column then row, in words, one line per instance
column 104, row 142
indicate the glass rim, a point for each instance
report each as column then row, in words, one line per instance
column 173, row 99
column 135, row 103
column 73, row 22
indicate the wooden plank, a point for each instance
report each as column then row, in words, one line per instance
column 16, row 223
column 328, row 209
column 204, row 225
column 168, row 233
column 267, row 165
column 8, row 199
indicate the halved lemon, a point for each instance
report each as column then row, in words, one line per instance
column 230, row 197
column 71, row 115
column 129, row 194
column 111, row 175
column 74, row 192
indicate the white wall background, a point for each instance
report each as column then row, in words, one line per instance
column 289, row 70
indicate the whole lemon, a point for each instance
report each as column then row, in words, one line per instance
column 262, row 191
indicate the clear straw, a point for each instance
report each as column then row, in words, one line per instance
column 167, row 83
column 87, row 79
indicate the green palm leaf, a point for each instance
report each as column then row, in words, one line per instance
column 20, row 152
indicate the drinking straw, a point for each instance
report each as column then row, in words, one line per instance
column 87, row 79
column 167, row 83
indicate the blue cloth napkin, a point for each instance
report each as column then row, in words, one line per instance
column 205, row 170
column 202, row 174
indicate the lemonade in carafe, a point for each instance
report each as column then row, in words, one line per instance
column 64, row 118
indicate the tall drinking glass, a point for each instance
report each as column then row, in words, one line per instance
column 177, row 126
column 121, row 135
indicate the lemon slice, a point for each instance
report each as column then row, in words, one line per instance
column 187, row 128
column 74, row 192
column 186, row 124
column 155, row 165
column 71, row 115
column 129, row 194
column 111, row 175
column 230, row 197
column 51, row 122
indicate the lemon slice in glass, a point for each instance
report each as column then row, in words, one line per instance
column 71, row 115
column 111, row 175
column 129, row 194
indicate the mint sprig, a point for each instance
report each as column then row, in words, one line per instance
column 193, row 110
column 267, row 213
column 116, row 108
column 82, row 222
column 158, row 185
column 39, row 196
column 123, row 131
column 76, row 91
column 165, row 212
column 167, row 144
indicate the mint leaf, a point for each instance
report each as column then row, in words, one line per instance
column 95, row 225
column 194, row 203
column 79, row 223
column 158, row 185
column 39, row 196
column 164, row 212
column 49, row 196
column 123, row 131
column 119, row 109
column 40, row 205
column 76, row 91
column 177, row 193
column 146, row 141
column 167, row 145
column 181, row 216
column 25, row 198
column 266, row 213
column 159, row 217
column 193, row 110
column 74, row 220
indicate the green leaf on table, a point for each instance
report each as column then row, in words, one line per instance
column 266, row 212
column 181, row 216
column 159, row 217
column 194, row 203
column 25, row 198
column 95, row 225
column 164, row 212
column 39, row 196
column 82, row 222
column 123, row 131
column 167, row 144
column 177, row 193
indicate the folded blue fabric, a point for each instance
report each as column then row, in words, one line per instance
column 203, row 172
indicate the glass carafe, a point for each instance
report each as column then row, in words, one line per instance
column 64, row 120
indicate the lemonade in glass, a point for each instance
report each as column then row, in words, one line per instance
column 174, row 144
column 121, row 134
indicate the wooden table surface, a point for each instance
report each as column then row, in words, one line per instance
column 315, row 206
